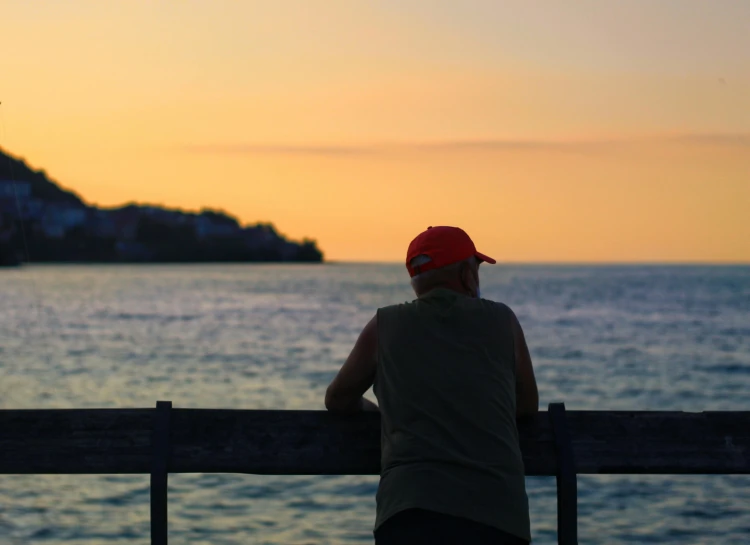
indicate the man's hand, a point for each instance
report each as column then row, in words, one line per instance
column 356, row 375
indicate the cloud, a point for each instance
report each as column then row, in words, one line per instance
column 276, row 149
column 448, row 146
column 717, row 139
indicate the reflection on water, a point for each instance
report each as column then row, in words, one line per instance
column 271, row 337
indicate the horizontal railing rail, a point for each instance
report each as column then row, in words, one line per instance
column 167, row 440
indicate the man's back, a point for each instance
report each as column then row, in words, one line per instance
column 445, row 383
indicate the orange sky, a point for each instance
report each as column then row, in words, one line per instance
column 564, row 131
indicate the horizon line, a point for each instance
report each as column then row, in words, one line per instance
column 401, row 264
column 686, row 263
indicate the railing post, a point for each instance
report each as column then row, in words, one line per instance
column 160, row 457
column 567, row 488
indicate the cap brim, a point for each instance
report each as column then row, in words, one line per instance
column 485, row 258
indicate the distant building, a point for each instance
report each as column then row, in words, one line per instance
column 100, row 223
column 26, row 209
column 31, row 209
column 58, row 219
column 53, row 230
column 9, row 207
column 11, row 189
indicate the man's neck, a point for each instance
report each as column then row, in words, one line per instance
column 452, row 288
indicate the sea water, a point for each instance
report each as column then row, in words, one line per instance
column 273, row 336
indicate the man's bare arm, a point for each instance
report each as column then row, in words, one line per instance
column 356, row 375
column 527, row 394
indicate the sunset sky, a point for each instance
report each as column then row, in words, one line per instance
column 558, row 131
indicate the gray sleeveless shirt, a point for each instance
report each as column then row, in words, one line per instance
column 445, row 384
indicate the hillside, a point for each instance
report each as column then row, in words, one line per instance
column 41, row 222
column 42, row 187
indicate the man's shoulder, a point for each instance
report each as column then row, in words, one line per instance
column 396, row 306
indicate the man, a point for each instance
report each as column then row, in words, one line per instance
column 451, row 373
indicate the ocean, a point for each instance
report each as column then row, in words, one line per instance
column 273, row 336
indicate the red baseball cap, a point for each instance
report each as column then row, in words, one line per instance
column 444, row 246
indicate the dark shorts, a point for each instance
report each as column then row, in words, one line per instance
column 418, row 527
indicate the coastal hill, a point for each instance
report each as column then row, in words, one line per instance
column 42, row 222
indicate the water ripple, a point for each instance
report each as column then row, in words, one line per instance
column 271, row 337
